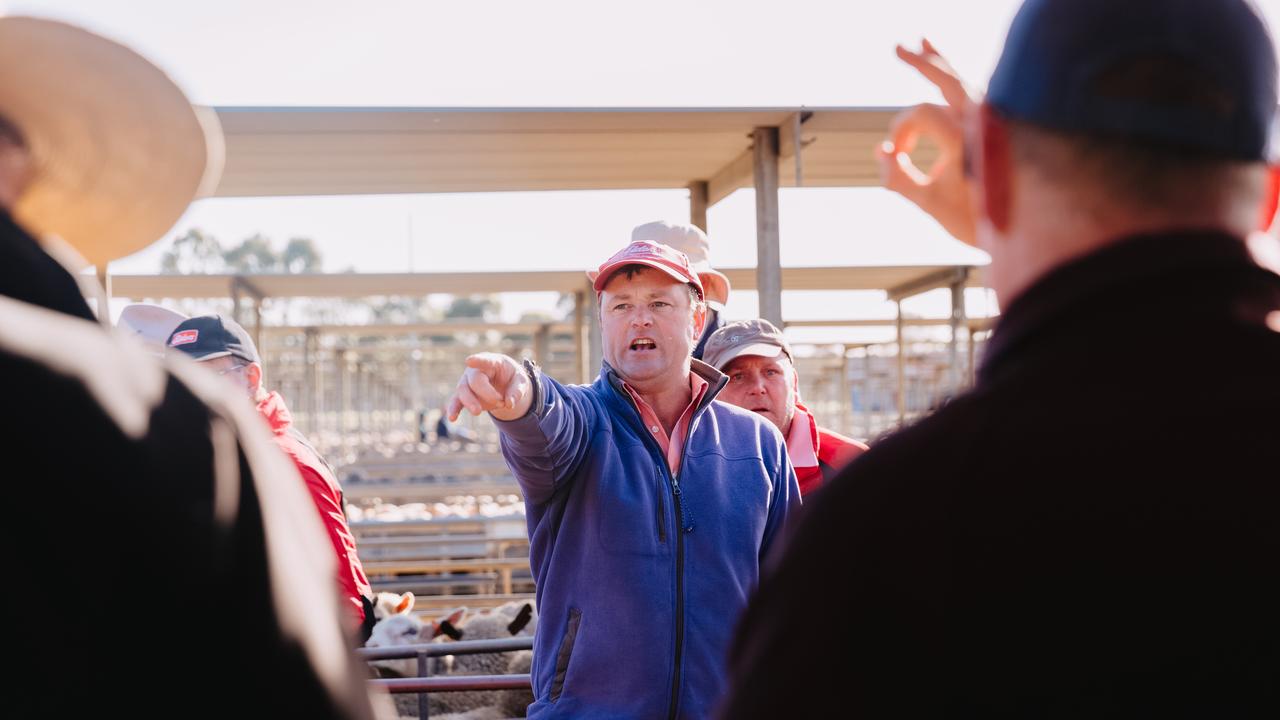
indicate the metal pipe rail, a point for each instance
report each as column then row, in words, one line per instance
column 454, row 683
column 461, row 647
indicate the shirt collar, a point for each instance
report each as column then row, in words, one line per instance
column 276, row 412
column 802, row 439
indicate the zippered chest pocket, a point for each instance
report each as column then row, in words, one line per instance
column 633, row 509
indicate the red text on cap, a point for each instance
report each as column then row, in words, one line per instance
column 185, row 337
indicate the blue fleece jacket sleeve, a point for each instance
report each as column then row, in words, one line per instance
column 547, row 445
column 784, row 502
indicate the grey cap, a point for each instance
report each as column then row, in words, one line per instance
column 745, row 337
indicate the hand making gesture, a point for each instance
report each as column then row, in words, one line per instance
column 494, row 383
column 942, row 190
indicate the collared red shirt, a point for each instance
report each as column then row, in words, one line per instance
column 817, row 454
column 671, row 450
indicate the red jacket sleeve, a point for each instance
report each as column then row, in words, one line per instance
column 351, row 577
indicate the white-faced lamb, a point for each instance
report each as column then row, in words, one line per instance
column 505, row 621
column 387, row 604
column 404, row 629
column 513, row 619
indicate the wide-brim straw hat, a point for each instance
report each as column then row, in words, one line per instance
column 692, row 241
column 119, row 151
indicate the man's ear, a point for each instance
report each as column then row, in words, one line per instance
column 993, row 167
column 699, row 319
column 253, row 373
column 1271, row 200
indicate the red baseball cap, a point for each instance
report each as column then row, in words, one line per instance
column 654, row 255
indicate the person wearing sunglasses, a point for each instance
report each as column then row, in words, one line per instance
column 221, row 345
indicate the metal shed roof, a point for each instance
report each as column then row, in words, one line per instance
column 338, row 151
column 896, row 280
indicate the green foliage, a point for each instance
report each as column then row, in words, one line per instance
column 253, row 256
column 197, row 252
column 473, row 307
column 194, row 252
column 300, row 256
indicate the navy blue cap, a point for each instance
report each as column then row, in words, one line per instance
column 1195, row 74
column 212, row 336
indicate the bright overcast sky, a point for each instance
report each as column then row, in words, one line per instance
column 555, row 53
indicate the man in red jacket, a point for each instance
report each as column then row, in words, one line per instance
column 223, row 346
column 762, row 378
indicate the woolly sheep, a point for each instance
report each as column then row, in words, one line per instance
column 505, row 621
column 404, row 629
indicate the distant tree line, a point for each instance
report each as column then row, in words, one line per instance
column 196, row 252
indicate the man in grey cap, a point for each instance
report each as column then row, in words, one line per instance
column 693, row 242
column 1091, row 530
column 757, row 358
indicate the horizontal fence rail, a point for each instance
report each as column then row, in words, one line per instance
column 449, row 683
column 461, row 647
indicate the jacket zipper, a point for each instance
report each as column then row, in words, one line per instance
column 662, row 526
column 680, row 531
column 675, row 677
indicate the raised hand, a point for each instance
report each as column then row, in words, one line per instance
column 492, row 383
column 943, row 190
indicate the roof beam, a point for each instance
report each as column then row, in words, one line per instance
column 940, row 279
column 735, row 175
column 363, row 285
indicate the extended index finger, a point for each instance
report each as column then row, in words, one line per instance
column 938, row 71
column 484, row 390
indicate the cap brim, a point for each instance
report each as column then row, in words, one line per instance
column 209, row 356
column 768, row 350
column 601, row 277
column 119, row 150
column 715, row 285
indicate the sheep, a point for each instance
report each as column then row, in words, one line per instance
column 504, row 621
column 404, row 629
column 387, row 604
column 488, row 712
column 509, row 620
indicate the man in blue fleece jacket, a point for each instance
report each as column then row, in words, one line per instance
column 650, row 505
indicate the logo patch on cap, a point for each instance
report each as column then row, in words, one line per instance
column 638, row 249
column 186, row 337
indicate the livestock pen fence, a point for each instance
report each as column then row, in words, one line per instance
column 357, row 393
column 423, row 683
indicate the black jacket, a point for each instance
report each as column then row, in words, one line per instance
column 147, row 561
column 1092, row 531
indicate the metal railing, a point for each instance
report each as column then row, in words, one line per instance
column 424, row 684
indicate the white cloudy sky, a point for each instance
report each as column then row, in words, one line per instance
column 558, row 53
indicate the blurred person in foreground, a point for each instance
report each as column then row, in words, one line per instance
column 693, row 242
column 148, row 514
column 757, row 359
column 1091, row 531
column 222, row 345
column 650, row 505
